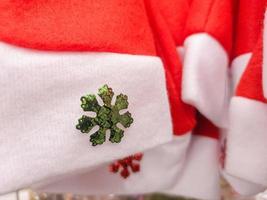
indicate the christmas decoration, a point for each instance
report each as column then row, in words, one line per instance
column 194, row 71
column 107, row 116
column 127, row 163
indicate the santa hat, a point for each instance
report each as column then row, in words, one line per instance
column 248, row 27
column 246, row 160
column 185, row 159
column 201, row 164
column 165, row 160
column 205, row 86
column 207, row 46
column 55, row 52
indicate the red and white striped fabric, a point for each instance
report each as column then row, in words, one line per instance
column 246, row 161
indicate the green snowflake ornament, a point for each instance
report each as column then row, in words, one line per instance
column 107, row 116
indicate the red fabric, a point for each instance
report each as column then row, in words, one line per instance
column 214, row 17
column 183, row 115
column 250, row 85
column 77, row 25
column 116, row 26
column 249, row 25
column 175, row 13
column 206, row 128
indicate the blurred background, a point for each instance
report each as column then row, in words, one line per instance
column 227, row 194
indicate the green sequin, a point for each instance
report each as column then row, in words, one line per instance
column 107, row 116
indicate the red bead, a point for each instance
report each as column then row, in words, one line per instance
column 128, row 160
column 138, row 156
column 135, row 167
column 125, row 173
column 114, row 167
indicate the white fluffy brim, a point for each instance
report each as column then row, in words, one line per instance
column 205, row 77
column 243, row 186
column 200, row 177
column 160, row 168
column 9, row 196
column 40, row 106
column 246, row 157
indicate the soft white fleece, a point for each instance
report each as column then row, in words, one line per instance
column 246, row 155
column 205, row 83
column 40, row 105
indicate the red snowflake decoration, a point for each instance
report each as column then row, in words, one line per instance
column 130, row 162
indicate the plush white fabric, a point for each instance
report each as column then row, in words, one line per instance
column 160, row 167
column 264, row 78
column 9, row 196
column 261, row 196
column 180, row 51
column 40, row 105
column 200, row 177
column 246, row 156
column 205, row 77
column 243, row 186
column 238, row 66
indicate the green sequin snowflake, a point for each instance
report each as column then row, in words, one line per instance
column 107, row 116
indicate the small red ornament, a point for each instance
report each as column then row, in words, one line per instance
column 127, row 163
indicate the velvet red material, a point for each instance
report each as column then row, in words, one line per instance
column 250, row 85
column 249, row 25
column 77, row 25
column 116, row 26
column 175, row 13
column 214, row 17
column 183, row 115
column 205, row 128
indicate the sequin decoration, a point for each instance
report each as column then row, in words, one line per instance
column 127, row 165
column 107, row 116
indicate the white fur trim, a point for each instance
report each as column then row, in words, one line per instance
column 9, row 196
column 200, row 177
column 205, row 77
column 242, row 186
column 264, row 78
column 246, row 151
column 40, row 105
column 261, row 196
column 238, row 67
column 160, row 167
